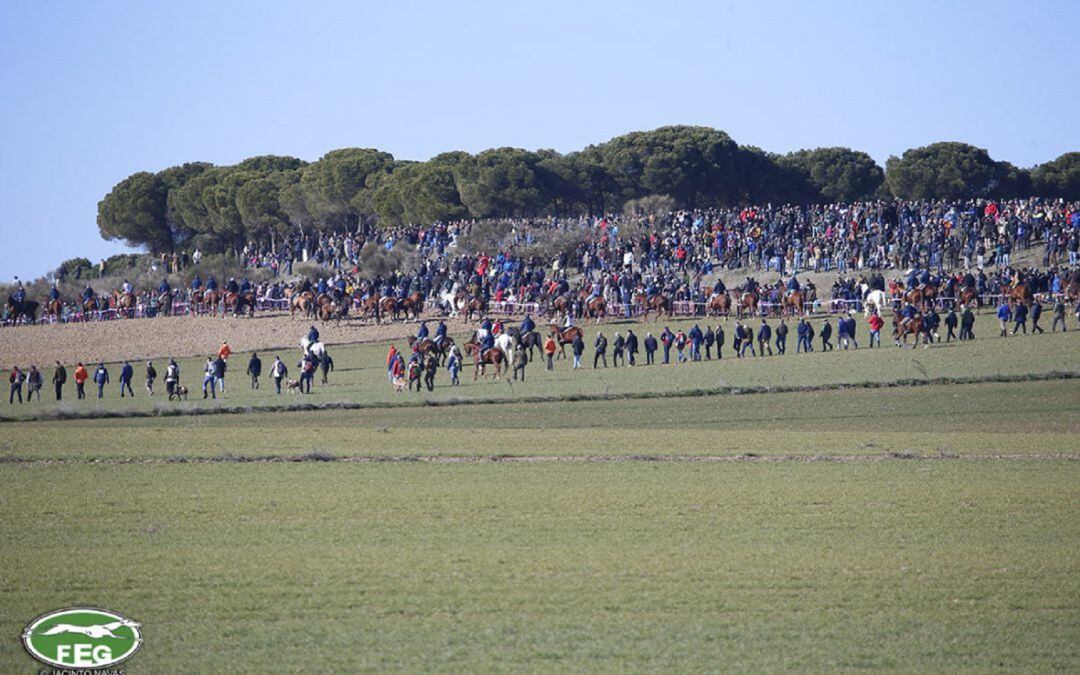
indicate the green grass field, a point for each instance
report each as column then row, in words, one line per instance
column 915, row 528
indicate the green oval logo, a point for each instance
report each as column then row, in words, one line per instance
column 82, row 637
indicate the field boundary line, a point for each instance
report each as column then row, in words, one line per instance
column 166, row 410
column 322, row 457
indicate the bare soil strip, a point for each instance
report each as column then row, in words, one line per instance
column 318, row 457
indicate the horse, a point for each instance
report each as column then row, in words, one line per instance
column 794, row 303
column 123, row 303
column 565, row 336
column 560, row 306
column 495, row 357
column 505, row 342
column 748, row 301
column 301, row 302
column 658, row 304
column 968, row 294
column 91, row 305
column 529, row 341
column 55, row 308
column 414, row 304
column 238, row 302
column 22, row 308
column 719, row 304
column 596, row 308
column 914, row 327
column 1072, row 286
column 210, row 300
column 477, row 306
column 875, row 300
column 425, row 346
column 388, row 306
column 1021, row 293
column 453, row 301
column 368, row 307
column 915, row 297
column 316, row 349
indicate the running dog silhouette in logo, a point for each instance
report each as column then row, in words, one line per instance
column 96, row 631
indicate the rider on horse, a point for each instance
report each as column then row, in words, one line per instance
column 232, row 286
column 793, row 284
column 211, row 283
column 527, row 325
column 440, row 333
column 719, row 288
column 126, row 287
column 422, row 332
column 54, row 292
column 245, row 285
column 196, row 283
column 321, row 288
column 88, row 293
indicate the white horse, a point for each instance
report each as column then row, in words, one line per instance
column 875, row 300
column 504, row 342
column 316, row 349
column 449, row 299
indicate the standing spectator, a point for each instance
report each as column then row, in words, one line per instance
column 172, row 378
column 967, row 324
column 710, row 340
column 521, row 359
column 631, row 346
column 81, row 376
column 278, row 371
column 601, row 350
column 1020, row 317
column 58, row 379
column 1059, row 316
column 781, row 337
column 666, row 338
column 307, row 373
column 1003, row 315
column 950, row 325
column 578, row 348
column 549, row 351
column 876, row 323
column 391, row 357
column 617, row 350
column 696, row 338
column 680, row 345
column 209, row 378
column 1036, row 314
column 34, row 380
column 826, row 335
column 101, row 378
column 453, row 364
column 151, row 376
column 650, row 349
column 326, row 365
column 219, row 372
column 719, row 342
column 16, row 379
column 803, row 335
column 254, row 369
column 764, row 336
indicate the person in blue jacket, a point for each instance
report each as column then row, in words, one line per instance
column 803, row 335
column 1003, row 315
column 211, row 283
column 440, row 333
column 422, row 332
column 527, row 325
column 196, row 283
column 126, row 373
column 101, row 378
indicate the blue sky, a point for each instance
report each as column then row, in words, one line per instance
column 95, row 91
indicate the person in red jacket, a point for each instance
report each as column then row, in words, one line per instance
column 81, row 376
column 391, row 356
column 876, row 322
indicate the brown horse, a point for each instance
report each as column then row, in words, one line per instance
column 1021, row 294
column 210, row 300
column 559, row 306
column 494, row 357
column 54, row 308
column 749, row 303
column 237, row 303
column 368, row 306
column 478, row 306
column 303, row 303
column 720, row 304
column 967, row 294
column 596, row 308
column 659, row 304
column 91, row 304
column 1072, row 286
column 914, row 327
column 388, row 306
column 123, row 303
column 914, row 296
column 565, row 336
column 414, row 304
column 793, row 304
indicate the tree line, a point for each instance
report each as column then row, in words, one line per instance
column 268, row 198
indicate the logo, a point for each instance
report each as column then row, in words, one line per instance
column 82, row 637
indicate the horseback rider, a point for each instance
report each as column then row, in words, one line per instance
column 719, row 288
column 313, row 335
column 568, row 322
column 211, row 283
column 487, row 341
column 88, row 293
column 196, row 283
column 126, row 287
column 594, row 292
column 907, row 313
column 164, row 288
column 54, row 292
column 245, row 285
column 339, row 289
column 527, row 325
column 793, row 284
column 440, row 333
column 321, row 288
column 422, row 331
column 232, row 286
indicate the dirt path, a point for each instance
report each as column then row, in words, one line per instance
column 180, row 336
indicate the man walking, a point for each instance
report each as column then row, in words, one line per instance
column 826, row 335
column 951, row 322
column 764, row 336
column 601, row 350
column 126, row 373
column 1036, row 314
column 578, row 349
column 172, row 378
column 617, row 350
column 81, row 376
column 209, row 379
column 781, row 337
column 16, row 379
column 650, row 349
column 151, row 377
column 1059, row 316
column 101, row 378
column 58, row 379
column 631, row 346
column 549, row 351
column 254, row 369
column 277, row 372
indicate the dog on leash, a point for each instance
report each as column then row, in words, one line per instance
column 399, row 384
column 179, row 392
column 293, row 386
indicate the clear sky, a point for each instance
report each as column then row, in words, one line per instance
column 95, row 91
